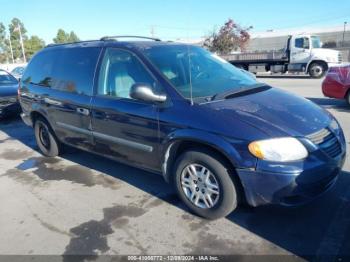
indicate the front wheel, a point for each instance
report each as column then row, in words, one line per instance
column 317, row 70
column 203, row 183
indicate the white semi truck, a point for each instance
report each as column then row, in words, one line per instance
column 302, row 53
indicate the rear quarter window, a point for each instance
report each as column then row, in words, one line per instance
column 69, row 69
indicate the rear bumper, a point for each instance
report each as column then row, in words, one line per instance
column 334, row 89
column 293, row 184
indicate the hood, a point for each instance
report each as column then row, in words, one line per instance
column 330, row 55
column 8, row 90
column 275, row 112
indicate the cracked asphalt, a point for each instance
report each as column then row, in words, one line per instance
column 87, row 205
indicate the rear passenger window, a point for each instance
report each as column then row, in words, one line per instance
column 39, row 70
column 74, row 70
column 68, row 69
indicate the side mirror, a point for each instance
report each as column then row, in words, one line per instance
column 144, row 92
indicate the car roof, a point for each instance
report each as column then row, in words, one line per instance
column 114, row 43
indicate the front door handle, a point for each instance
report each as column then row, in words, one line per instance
column 83, row 111
column 53, row 102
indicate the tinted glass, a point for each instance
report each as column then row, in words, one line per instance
column 74, row 70
column 7, row 79
column 119, row 71
column 208, row 74
column 39, row 70
column 66, row 69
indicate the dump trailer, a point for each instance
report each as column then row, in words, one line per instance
column 301, row 53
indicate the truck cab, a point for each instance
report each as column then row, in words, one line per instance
column 307, row 54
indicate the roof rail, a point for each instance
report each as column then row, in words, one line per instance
column 105, row 38
column 70, row 43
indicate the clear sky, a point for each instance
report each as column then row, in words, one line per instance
column 171, row 19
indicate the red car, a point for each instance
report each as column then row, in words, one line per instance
column 337, row 83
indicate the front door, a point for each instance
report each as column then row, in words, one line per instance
column 124, row 128
column 301, row 50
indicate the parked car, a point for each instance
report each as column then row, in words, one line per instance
column 337, row 83
column 213, row 131
column 18, row 72
column 9, row 104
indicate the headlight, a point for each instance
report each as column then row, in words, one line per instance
column 334, row 126
column 278, row 149
column 332, row 59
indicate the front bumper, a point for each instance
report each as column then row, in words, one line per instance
column 10, row 109
column 26, row 119
column 294, row 183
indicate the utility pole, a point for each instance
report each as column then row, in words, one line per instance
column 345, row 23
column 20, row 38
column 152, row 31
column 13, row 60
column 18, row 29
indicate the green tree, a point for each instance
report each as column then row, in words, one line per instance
column 32, row 45
column 64, row 37
column 73, row 37
column 61, row 37
column 230, row 37
column 3, row 44
column 14, row 27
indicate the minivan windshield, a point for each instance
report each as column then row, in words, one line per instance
column 7, row 79
column 209, row 75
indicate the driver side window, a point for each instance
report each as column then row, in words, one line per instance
column 302, row 42
column 120, row 70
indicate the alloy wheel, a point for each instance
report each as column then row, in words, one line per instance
column 200, row 186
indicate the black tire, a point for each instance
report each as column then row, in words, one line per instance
column 348, row 98
column 317, row 70
column 227, row 199
column 45, row 138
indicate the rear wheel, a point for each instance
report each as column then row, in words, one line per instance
column 203, row 183
column 45, row 138
column 317, row 70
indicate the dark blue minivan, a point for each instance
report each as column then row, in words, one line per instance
column 210, row 129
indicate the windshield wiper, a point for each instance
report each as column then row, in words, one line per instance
column 234, row 92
